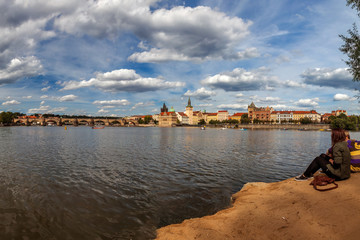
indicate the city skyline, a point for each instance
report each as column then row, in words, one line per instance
column 121, row 58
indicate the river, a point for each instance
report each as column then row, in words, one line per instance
column 124, row 183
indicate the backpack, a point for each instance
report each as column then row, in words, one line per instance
column 323, row 181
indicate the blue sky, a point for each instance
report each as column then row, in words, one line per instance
column 121, row 57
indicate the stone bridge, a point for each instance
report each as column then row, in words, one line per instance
column 58, row 121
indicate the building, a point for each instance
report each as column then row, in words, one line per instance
column 282, row 116
column 312, row 115
column 189, row 111
column 237, row 116
column 182, row 117
column 325, row 116
column 259, row 113
column 222, row 115
column 167, row 118
column 210, row 116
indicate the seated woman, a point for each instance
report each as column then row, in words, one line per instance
column 336, row 165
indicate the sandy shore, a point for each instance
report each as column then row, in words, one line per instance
column 280, row 210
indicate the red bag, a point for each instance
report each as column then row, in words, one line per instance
column 323, row 181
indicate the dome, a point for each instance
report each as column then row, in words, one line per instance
column 172, row 109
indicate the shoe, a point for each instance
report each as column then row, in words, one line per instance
column 301, row 178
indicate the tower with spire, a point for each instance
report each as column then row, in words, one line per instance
column 164, row 108
column 189, row 111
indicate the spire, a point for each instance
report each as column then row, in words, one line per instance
column 164, row 108
column 189, row 103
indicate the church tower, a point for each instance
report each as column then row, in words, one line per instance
column 190, row 112
column 164, row 108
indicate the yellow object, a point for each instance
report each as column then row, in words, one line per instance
column 65, row 128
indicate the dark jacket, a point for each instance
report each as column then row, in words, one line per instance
column 341, row 156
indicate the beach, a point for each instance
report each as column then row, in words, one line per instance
column 281, row 210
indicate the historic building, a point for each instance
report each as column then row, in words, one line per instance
column 189, row 111
column 237, row 116
column 222, row 115
column 182, row 117
column 294, row 116
column 167, row 118
column 260, row 113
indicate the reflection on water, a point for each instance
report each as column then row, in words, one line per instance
column 124, row 183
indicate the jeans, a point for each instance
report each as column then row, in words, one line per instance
column 319, row 162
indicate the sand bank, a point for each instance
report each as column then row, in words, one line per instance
column 280, row 210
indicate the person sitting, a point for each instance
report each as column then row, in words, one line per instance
column 335, row 165
column 354, row 148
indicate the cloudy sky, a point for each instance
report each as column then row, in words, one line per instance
column 122, row 57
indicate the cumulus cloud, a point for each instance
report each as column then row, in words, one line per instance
column 67, row 98
column 46, row 109
column 19, row 68
column 242, row 80
column 103, row 111
column 293, row 84
column 122, row 102
column 233, row 106
column 270, row 99
column 343, row 97
column 327, row 77
column 44, row 89
column 142, row 104
column 200, row 94
column 12, row 102
column 123, row 80
column 172, row 34
column 27, row 97
column 308, row 102
column 205, row 105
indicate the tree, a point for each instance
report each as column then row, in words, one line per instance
column 245, row 119
column 202, row 122
column 305, row 120
column 6, row 118
column 351, row 46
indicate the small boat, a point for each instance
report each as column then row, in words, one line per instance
column 97, row 127
column 202, row 128
column 242, row 129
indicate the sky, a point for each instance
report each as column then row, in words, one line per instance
column 123, row 58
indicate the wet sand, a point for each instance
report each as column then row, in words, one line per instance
column 280, row 210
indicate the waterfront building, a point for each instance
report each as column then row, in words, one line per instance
column 182, row 117
column 210, row 116
column 222, row 115
column 189, row 111
column 325, row 116
column 282, row 116
column 259, row 113
column 312, row 115
column 167, row 118
column 237, row 116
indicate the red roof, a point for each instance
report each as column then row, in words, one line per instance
column 238, row 114
column 223, row 111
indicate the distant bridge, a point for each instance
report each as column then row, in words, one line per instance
column 72, row 121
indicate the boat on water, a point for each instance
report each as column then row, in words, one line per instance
column 202, row 128
column 97, row 127
column 242, row 129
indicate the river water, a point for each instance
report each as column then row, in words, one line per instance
column 124, row 183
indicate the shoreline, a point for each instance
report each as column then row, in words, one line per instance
column 280, row 210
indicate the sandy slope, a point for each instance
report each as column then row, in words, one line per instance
column 281, row 210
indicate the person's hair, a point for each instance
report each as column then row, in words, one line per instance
column 337, row 135
column 347, row 134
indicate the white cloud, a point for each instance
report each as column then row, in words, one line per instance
column 294, row 84
column 205, row 105
column 173, row 34
column 308, row 102
column 239, row 95
column 200, row 93
column 103, row 111
column 123, row 80
column 45, row 89
column 27, row 97
column 328, row 77
column 343, row 97
column 44, row 96
column 42, row 103
column 67, row 98
column 46, row 109
column 12, row 102
column 122, row 102
column 19, row 68
column 241, row 80
column 233, row 106
column 141, row 104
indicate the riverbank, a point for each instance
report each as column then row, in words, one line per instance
column 280, row 210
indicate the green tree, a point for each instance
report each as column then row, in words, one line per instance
column 202, row 122
column 147, row 119
column 6, row 118
column 245, row 119
column 351, row 46
column 305, row 120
